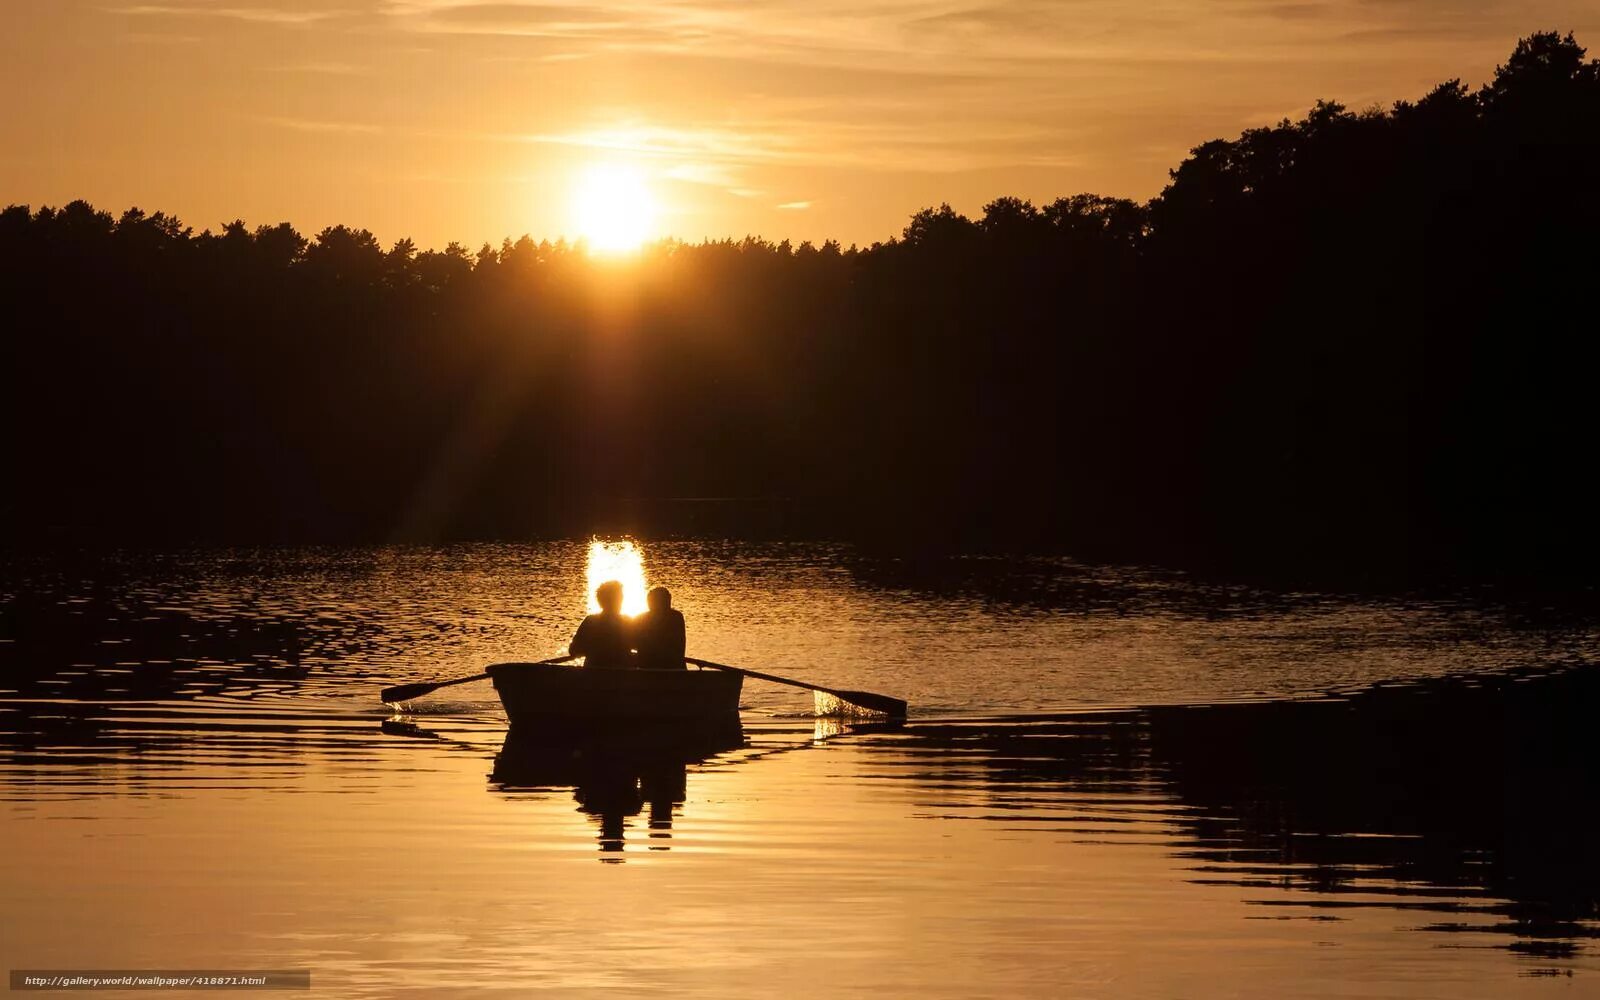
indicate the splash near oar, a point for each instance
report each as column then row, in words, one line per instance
column 826, row 705
column 859, row 701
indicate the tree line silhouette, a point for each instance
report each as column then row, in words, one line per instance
column 1363, row 341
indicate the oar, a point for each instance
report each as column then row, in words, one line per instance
column 411, row 692
column 894, row 708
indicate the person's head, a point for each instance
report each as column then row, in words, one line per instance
column 660, row 598
column 609, row 596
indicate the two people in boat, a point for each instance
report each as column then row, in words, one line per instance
column 655, row 640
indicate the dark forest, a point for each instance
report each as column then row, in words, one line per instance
column 1357, row 344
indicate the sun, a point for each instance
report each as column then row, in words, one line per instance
column 613, row 208
column 622, row 561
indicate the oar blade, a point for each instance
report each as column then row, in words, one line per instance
column 407, row 692
column 879, row 704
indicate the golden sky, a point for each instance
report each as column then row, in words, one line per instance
column 459, row 120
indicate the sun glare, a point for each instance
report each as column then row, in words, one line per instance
column 621, row 561
column 613, row 208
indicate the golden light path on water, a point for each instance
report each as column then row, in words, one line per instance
column 622, row 561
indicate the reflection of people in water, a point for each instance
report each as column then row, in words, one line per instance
column 604, row 638
column 615, row 789
column 616, row 773
column 610, row 791
column 658, row 634
column 664, row 785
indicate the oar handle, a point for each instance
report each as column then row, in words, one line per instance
column 410, row 692
column 756, row 674
column 462, row 680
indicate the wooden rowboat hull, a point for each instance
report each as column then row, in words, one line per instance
column 538, row 694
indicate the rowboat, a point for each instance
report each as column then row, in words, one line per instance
column 541, row 694
column 549, row 691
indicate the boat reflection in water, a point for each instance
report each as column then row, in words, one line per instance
column 616, row 772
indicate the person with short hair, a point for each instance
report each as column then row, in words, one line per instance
column 659, row 633
column 604, row 639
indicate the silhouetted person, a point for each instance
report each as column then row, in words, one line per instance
column 658, row 634
column 604, row 639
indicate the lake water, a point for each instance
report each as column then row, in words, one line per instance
column 1324, row 796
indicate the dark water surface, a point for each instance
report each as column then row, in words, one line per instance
column 1327, row 797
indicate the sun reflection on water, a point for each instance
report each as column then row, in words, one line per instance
column 622, row 561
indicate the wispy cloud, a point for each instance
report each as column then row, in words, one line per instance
column 1007, row 39
column 314, row 125
column 794, row 206
column 914, row 144
column 695, row 143
column 160, row 38
column 260, row 15
column 928, row 36
column 324, row 69
column 710, row 174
